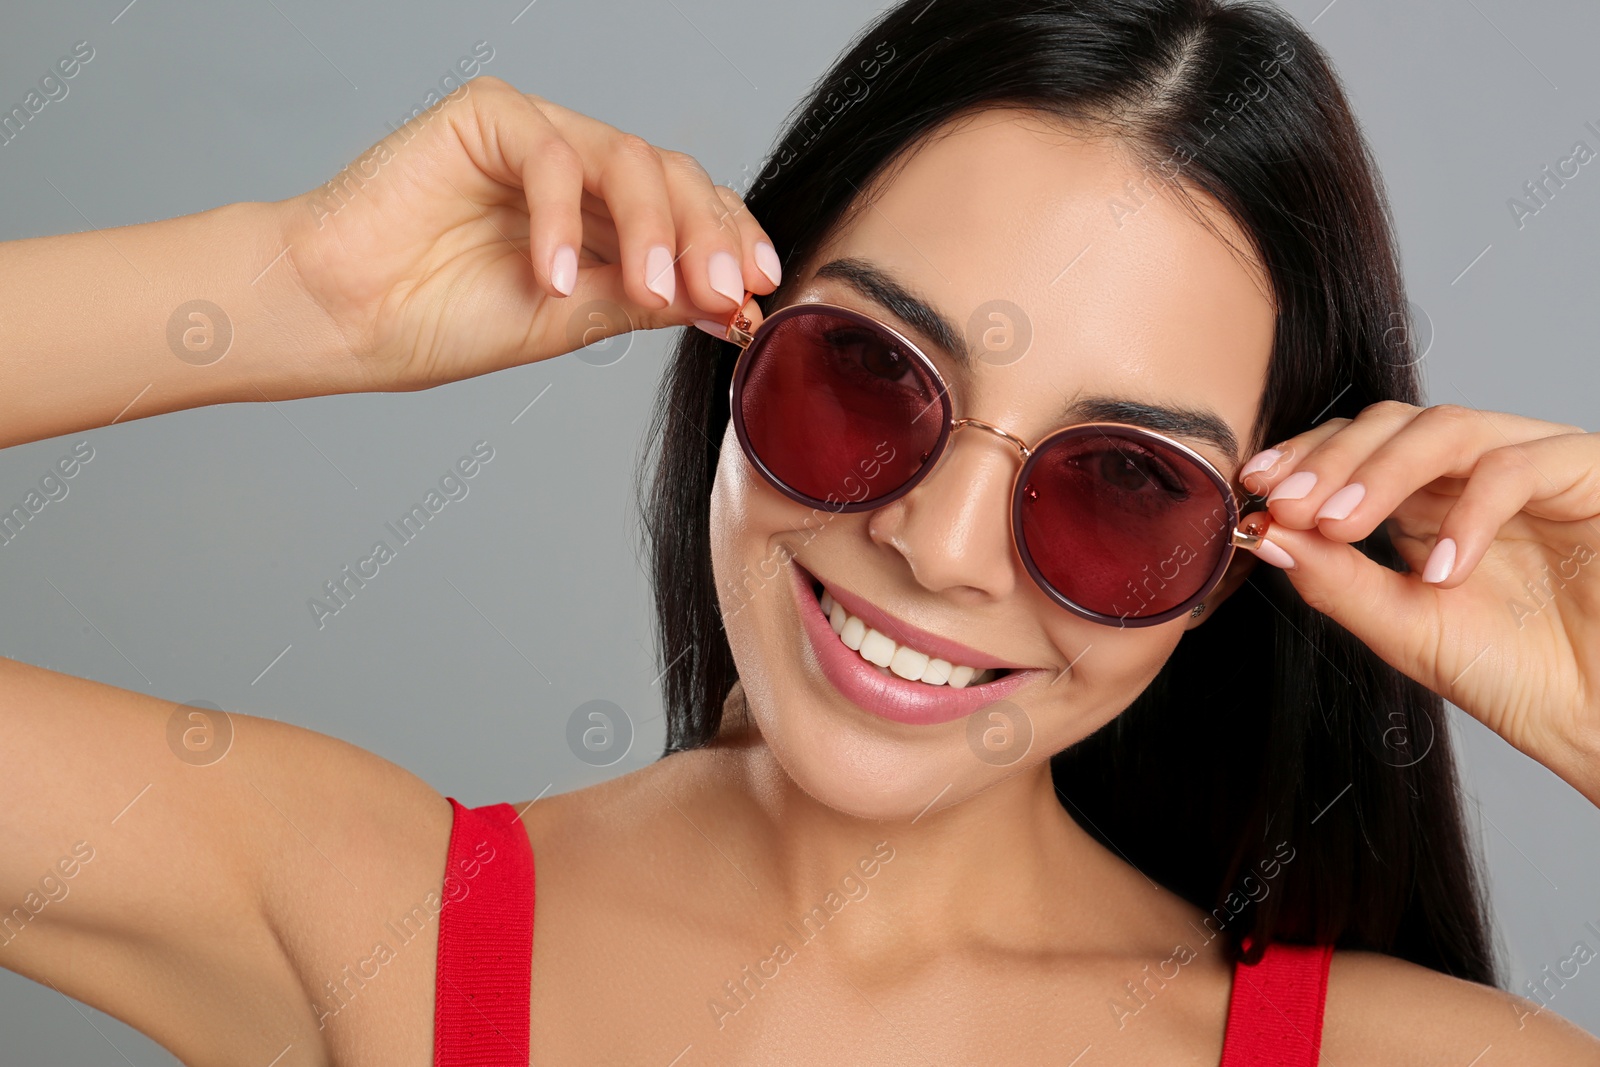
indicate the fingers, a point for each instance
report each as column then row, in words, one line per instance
column 623, row 172
column 1347, row 481
column 760, row 258
column 513, row 141
column 1319, row 465
column 681, row 242
column 630, row 179
column 1267, row 467
column 717, row 234
column 1552, row 477
column 671, row 224
column 1461, row 472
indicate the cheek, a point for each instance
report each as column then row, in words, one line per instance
column 1110, row 668
column 730, row 521
column 752, row 544
column 746, row 514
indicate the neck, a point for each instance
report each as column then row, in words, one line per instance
column 1004, row 868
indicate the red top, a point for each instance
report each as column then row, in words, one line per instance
column 480, row 1001
column 481, row 1005
column 1275, row 1012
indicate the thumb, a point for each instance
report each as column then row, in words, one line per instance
column 599, row 308
column 1381, row 608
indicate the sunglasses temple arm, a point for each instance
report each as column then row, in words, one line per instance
column 1250, row 534
column 739, row 324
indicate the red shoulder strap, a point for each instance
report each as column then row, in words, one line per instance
column 1275, row 1012
column 480, row 1013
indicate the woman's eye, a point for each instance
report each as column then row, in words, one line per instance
column 871, row 355
column 1133, row 472
column 1122, row 472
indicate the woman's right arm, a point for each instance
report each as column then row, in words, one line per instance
column 105, row 326
column 427, row 260
column 190, row 895
column 197, row 874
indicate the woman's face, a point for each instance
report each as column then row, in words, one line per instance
column 1124, row 293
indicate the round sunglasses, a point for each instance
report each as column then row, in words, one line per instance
column 1116, row 523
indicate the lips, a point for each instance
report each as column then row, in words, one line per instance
column 903, row 633
column 886, row 695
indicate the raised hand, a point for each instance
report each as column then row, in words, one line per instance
column 1497, row 517
column 501, row 229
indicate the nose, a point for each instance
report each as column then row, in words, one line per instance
column 954, row 526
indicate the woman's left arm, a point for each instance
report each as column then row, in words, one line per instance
column 1497, row 517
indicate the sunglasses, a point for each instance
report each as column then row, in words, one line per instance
column 1116, row 523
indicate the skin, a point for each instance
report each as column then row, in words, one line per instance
column 999, row 930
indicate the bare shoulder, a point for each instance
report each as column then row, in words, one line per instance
column 603, row 814
column 1381, row 1009
column 628, row 840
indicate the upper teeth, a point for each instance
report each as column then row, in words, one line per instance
column 903, row 660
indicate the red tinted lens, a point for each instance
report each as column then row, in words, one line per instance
column 1121, row 523
column 835, row 408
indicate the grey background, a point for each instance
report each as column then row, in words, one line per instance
column 181, row 561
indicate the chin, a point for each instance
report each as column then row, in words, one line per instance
column 857, row 770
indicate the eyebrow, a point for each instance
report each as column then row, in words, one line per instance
column 882, row 288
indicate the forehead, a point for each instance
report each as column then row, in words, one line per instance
column 1125, row 291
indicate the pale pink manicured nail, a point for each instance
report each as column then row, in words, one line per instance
column 1440, row 560
column 1274, row 554
column 715, row 329
column 723, row 271
column 564, row 270
column 1260, row 462
column 658, row 273
column 1294, row 487
column 1342, row 503
column 767, row 260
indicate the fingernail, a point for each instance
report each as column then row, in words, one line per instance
column 1294, row 487
column 564, row 270
column 1440, row 560
column 723, row 271
column 1260, row 462
column 1342, row 503
column 767, row 260
column 1274, row 554
column 715, row 329
column 658, row 272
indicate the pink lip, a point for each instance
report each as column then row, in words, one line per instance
column 891, row 696
column 903, row 633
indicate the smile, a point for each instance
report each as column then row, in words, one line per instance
column 888, row 656
column 914, row 677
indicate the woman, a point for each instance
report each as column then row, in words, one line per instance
column 1154, row 220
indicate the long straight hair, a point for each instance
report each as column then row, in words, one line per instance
column 1276, row 772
